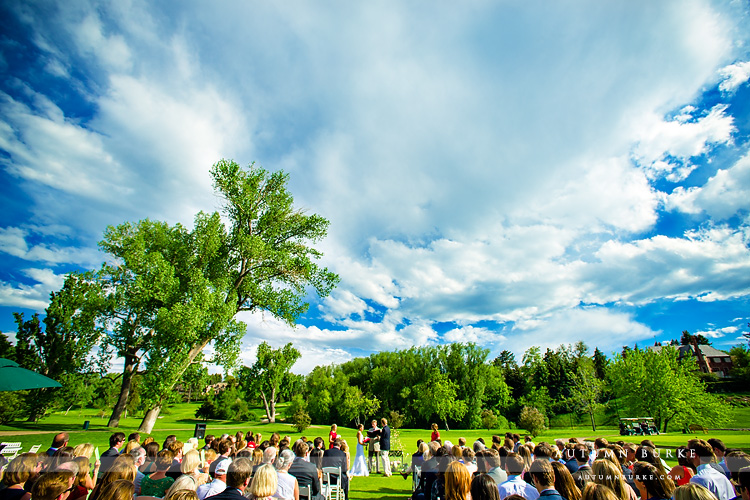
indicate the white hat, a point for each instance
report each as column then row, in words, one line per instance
column 223, row 466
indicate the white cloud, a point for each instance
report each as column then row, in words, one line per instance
column 723, row 195
column 34, row 296
column 13, row 242
column 734, row 76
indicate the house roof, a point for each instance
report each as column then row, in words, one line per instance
column 687, row 350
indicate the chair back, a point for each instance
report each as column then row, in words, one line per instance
column 304, row 492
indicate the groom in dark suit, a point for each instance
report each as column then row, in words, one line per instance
column 334, row 457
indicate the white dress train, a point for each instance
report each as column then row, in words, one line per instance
column 359, row 467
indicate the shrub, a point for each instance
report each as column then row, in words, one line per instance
column 489, row 420
column 396, row 419
column 301, row 420
column 532, row 420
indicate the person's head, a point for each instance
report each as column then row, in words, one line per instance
column 542, row 474
column 564, row 482
column 239, row 472
column 600, row 443
column 318, row 442
column 184, row 482
column 181, row 495
column 60, row 440
column 457, row 452
column 457, row 481
column 83, row 450
column 119, row 489
column 595, row 491
column 525, row 454
column 257, row 456
column 285, row 459
column 20, row 469
column 361, row 427
column 334, row 427
column 374, row 424
column 514, row 464
column 269, row 455
column 275, row 439
column 743, row 483
column 222, row 467
column 83, row 470
column 168, row 440
column 468, row 455
column 652, row 481
column 736, row 460
column 116, row 440
column 224, row 447
column 122, row 468
column 610, row 475
column 383, row 421
column 208, row 438
column 718, row 447
column 176, row 448
column 693, row 491
column 434, row 427
column 134, row 436
column 483, row 487
column 151, row 449
column 190, row 462
column 700, row 451
column 265, row 482
column 650, row 455
column 337, row 443
column 164, row 460
column 543, row 450
column 300, row 448
column 53, row 486
column 581, row 453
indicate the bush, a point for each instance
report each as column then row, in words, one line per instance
column 532, row 420
column 396, row 419
column 12, row 407
column 489, row 420
column 301, row 420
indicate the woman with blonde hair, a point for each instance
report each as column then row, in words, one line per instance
column 264, row 483
column 83, row 483
column 83, row 450
column 257, row 456
column 184, row 482
column 345, row 449
column 182, row 495
column 119, row 489
column 132, row 444
column 564, row 482
column 190, row 466
column 457, row 482
column 122, row 468
column 19, row 471
column 609, row 473
column 693, row 491
column 596, row 491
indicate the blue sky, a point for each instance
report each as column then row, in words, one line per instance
column 507, row 173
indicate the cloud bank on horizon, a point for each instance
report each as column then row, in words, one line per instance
column 511, row 175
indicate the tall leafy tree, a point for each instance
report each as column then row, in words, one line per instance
column 268, row 372
column 586, row 390
column 437, row 396
column 62, row 346
column 657, row 383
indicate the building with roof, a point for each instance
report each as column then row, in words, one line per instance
column 708, row 359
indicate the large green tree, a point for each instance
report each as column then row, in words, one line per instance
column 586, row 390
column 656, row 383
column 268, row 372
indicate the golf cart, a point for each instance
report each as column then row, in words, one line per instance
column 638, row 426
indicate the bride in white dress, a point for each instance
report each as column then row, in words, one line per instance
column 359, row 468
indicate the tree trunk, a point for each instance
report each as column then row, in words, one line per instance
column 273, row 406
column 265, row 404
column 122, row 400
column 149, row 420
column 446, row 424
column 593, row 423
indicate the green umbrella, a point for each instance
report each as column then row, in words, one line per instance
column 15, row 378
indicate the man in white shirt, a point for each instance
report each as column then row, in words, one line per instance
column 217, row 485
column 702, row 454
column 515, row 485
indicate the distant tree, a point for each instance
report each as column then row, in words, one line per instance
column 63, row 344
column 6, row 347
column 437, row 397
column 586, row 390
column 268, row 371
column 600, row 364
column 659, row 384
column 195, row 379
column 532, row 420
column 354, row 404
column 687, row 339
column 740, row 363
column 301, row 420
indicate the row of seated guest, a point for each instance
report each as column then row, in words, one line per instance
column 628, row 471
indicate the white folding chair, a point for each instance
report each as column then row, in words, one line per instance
column 304, row 492
column 332, row 485
column 35, row 448
column 416, row 472
column 10, row 450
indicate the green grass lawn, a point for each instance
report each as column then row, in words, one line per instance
column 180, row 420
